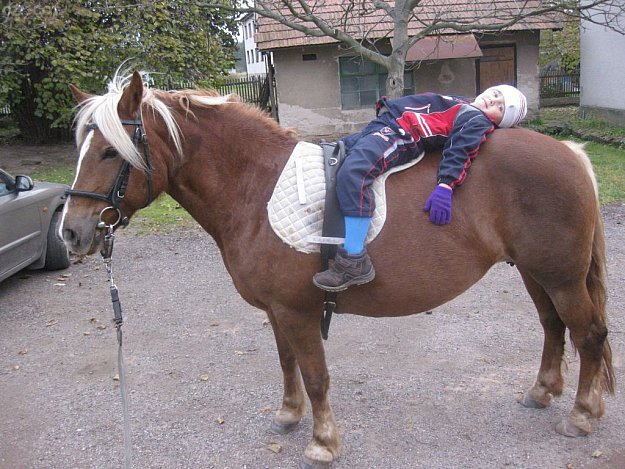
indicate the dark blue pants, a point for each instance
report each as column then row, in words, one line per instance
column 370, row 153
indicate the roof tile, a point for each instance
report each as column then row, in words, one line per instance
column 361, row 19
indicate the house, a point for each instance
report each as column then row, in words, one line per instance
column 325, row 89
column 255, row 61
column 602, row 50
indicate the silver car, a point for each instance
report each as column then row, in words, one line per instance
column 30, row 214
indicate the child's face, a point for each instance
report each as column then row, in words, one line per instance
column 491, row 103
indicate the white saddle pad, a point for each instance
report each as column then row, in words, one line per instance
column 296, row 206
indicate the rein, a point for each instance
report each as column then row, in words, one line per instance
column 116, row 194
column 107, row 259
column 114, row 197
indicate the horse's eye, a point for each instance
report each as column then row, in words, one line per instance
column 109, row 154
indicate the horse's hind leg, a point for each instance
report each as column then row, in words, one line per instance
column 549, row 381
column 293, row 399
column 589, row 335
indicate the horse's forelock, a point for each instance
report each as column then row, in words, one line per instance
column 102, row 111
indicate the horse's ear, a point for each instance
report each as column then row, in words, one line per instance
column 130, row 101
column 79, row 96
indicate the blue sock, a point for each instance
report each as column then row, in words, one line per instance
column 356, row 229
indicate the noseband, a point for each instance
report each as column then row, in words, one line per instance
column 116, row 194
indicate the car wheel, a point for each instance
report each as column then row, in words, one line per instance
column 57, row 256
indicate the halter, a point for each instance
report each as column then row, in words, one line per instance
column 117, row 192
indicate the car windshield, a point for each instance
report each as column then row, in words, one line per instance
column 7, row 183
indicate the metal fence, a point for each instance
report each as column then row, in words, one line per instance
column 253, row 89
column 559, row 83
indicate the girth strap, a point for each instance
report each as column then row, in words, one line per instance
column 333, row 222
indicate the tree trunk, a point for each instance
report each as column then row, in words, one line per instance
column 395, row 79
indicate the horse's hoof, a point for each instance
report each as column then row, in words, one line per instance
column 527, row 401
column 573, row 430
column 317, row 457
column 282, row 428
column 310, row 464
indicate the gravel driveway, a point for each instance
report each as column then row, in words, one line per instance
column 428, row 391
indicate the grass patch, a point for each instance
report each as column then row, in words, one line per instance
column 565, row 121
column 164, row 214
column 609, row 165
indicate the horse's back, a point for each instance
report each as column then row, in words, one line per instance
column 527, row 199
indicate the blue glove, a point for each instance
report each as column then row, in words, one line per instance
column 439, row 205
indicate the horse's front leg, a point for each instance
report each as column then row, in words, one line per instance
column 303, row 334
column 293, row 402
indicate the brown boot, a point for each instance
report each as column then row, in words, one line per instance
column 346, row 270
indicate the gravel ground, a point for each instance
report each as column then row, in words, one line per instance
column 428, row 391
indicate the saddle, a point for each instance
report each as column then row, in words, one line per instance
column 304, row 210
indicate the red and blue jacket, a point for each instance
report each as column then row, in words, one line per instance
column 440, row 122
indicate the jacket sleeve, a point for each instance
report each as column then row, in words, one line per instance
column 468, row 132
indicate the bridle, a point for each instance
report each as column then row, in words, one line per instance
column 116, row 194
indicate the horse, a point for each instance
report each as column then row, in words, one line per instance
column 529, row 200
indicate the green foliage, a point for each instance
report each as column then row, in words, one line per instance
column 45, row 45
column 561, row 47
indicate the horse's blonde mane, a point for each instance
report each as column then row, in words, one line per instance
column 102, row 111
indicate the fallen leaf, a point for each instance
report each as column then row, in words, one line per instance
column 102, row 327
column 24, row 351
column 265, row 409
column 597, row 453
column 220, row 421
column 16, row 367
column 203, row 377
column 266, row 322
column 93, row 320
column 116, row 378
column 569, row 466
column 86, row 333
column 51, row 322
column 214, row 324
column 275, row 447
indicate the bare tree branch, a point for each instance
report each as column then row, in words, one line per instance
column 360, row 25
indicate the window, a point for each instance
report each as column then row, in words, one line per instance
column 364, row 82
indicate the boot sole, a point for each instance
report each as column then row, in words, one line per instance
column 355, row 281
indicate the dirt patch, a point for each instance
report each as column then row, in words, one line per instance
column 26, row 159
column 428, row 391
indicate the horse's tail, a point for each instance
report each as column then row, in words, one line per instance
column 596, row 279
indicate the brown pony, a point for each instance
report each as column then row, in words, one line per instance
column 529, row 200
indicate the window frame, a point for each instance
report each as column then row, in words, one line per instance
column 367, row 73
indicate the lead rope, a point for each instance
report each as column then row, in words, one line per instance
column 107, row 259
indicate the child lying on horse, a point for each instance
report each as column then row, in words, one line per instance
column 404, row 128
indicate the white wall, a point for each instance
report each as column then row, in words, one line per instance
column 602, row 70
column 254, row 60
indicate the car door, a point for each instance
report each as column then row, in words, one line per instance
column 20, row 228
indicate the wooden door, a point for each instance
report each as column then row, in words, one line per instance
column 497, row 66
